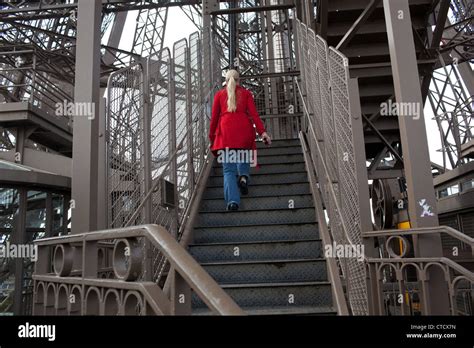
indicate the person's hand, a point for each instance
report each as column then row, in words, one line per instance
column 266, row 139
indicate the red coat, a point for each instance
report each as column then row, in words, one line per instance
column 234, row 130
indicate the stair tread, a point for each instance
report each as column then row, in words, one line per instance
column 277, row 310
column 261, row 262
column 261, row 242
column 283, row 195
column 254, row 225
column 260, row 186
column 274, row 285
column 277, row 254
column 263, row 174
column 251, row 210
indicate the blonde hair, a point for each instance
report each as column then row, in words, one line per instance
column 231, row 79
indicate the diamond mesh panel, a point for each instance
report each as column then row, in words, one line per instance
column 325, row 75
column 125, row 145
column 347, row 174
column 326, row 107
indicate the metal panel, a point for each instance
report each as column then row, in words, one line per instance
column 350, row 204
column 125, row 161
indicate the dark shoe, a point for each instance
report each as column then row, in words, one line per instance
column 233, row 207
column 244, row 189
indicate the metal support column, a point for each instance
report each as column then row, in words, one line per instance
column 173, row 144
column 189, row 122
column 86, row 129
column 421, row 195
column 309, row 14
column 102, row 169
column 19, row 237
column 233, row 36
column 275, row 123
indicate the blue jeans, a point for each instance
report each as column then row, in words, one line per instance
column 232, row 171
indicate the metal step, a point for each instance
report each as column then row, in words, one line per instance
column 271, row 151
column 255, row 233
column 277, row 310
column 286, row 178
column 261, row 203
column 268, row 169
column 309, row 249
column 280, row 271
column 250, row 217
column 272, row 159
column 280, row 143
column 314, row 294
column 263, row 190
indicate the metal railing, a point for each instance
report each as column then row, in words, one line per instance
column 22, row 80
column 394, row 283
column 70, row 282
column 157, row 121
column 398, row 270
column 325, row 83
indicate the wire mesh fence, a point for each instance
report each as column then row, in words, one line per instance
column 325, row 82
column 157, row 123
column 125, row 145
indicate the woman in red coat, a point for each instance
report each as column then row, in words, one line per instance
column 232, row 135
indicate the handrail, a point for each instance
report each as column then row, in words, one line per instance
column 423, row 230
column 191, row 271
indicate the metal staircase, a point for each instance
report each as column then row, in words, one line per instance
column 267, row 256
column 161, row 197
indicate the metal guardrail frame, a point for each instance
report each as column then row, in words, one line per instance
column 151, row 296
column 336, row 186
column 333, row 152
column 160, row 165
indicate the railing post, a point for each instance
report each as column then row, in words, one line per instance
column 89, row 259
column 189, row 121
column 145, row 118
column 146, row 158
column 202, row 124
column 180, row 295
column 172, row 145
